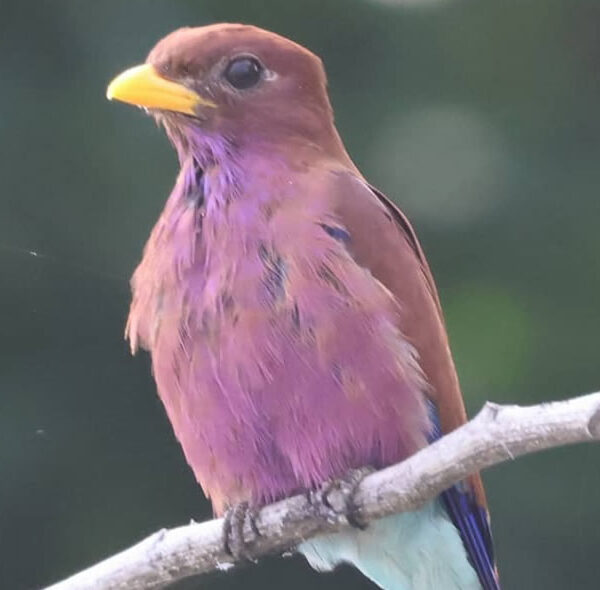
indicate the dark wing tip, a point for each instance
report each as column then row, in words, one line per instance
column 471, row 520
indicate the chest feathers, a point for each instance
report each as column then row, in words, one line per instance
column 265, row 333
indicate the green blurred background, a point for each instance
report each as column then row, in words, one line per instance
column 480, row 118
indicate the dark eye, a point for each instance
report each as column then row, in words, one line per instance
column 243, row 72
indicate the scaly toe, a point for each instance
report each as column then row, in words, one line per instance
column 237, row 537
column 335, row 499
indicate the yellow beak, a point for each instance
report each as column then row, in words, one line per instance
column 144, row 87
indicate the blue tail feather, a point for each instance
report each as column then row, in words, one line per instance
column 470, row 519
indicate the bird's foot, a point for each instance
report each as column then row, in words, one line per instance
column 240, row 531
column 336, row 498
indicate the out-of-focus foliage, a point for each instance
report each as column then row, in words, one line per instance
column 479, row 117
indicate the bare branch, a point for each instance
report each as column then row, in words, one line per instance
column 496, row 434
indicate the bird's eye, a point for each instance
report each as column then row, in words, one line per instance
column 243, row 72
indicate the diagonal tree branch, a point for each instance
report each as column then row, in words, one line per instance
column 496, row 434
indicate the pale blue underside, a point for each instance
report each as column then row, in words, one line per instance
column 411, row 551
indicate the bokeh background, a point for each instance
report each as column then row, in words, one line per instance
column 480, row 118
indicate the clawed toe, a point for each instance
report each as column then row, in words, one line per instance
column 240, row 531
column 336, row 498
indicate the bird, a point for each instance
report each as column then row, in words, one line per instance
column 293, row 323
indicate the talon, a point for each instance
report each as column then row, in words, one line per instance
column 237, row 538
column 336, row 498
column 355, row 518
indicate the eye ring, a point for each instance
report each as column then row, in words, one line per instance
column 243, row 72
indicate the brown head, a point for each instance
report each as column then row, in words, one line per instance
column 234, row 81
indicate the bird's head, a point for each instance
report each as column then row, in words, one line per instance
column 231, row 82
